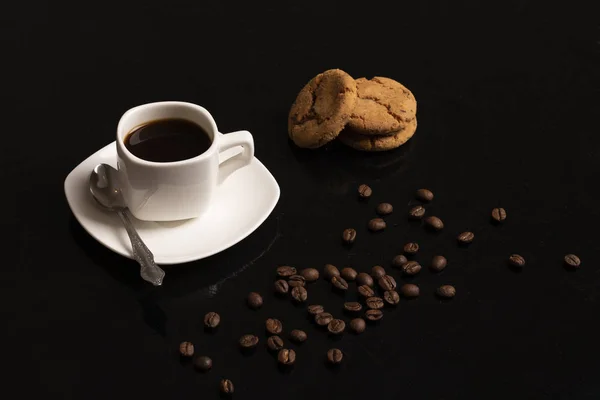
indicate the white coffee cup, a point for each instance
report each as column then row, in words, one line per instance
column 170, row 191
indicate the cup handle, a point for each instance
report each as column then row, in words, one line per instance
column 233, row 139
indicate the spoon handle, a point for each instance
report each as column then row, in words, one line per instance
column 149, row 270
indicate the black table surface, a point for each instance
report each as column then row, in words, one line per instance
column 508, row 103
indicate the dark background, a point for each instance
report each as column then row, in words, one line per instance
column 508, row 102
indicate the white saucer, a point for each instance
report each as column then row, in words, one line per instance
column 239, row 206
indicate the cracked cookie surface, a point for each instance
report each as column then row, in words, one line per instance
column 383, row 107
column 322, row 109
column 378, row 143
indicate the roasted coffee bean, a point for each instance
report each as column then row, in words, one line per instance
column 438, row 263
column 298, row 336
column 186, row 349
column 299, row 294
column 465, row 237
column 572, row 261
column 330, row 271
column 387, row 282
column 375, row 302
column 274, row 326
column 399, row 261
column 286, row 357
column 281, row 287
column 248, row 341
column 417, row 212
column 374, row 314
column 516, row 261
column 349, row 235
column 434, row 223
column 339, row 283
column 424, row 195
column 410, row 290
column 376, row 225
column 323, row 319
column 384, row 209
column 212, row 320
column 336, row 326
column 285, row 271
column 226, row 387
column 349, row 274
column 274, row 343
column 411, row 268
column 377, row 271
column 365, row 291
column 334, row 356
column 315, row 309
column 499, row 214
column 255, row 300
column 446, row 291
column 310, row 274
column 364, row 279
column 364, row 191
column 203, row 363
column 391, row 297
column 411, row 248
column 352, row 306
column 296, row 280
column 357, row 325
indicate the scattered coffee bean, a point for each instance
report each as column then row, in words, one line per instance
column 186, row 349
column 203, row 363
column 255, row 300
column 248, row 341
column 352, row 306
column 299, row 294
column 274, row 326
column 375, row 303
column 357, row 325
column 466, row 237
column 438, row 263
column 384, row 209
column 323, row 319
column 339, row 283
column 336, row 326
column 349, row 235
column 315, row 309
column 391, row 297
column 377, row 271
column 298, row 336
column 424, row 195
column 281, row 287
column 334, row 356
column 373, row 315
column 226, row 386
column 411, row 268
column 365, row 291
column 387, row 282
column 376, row 225
column 286, row 357
column 296, row 280
column 498, row 214
column 411, row 248
column 364, row 191
column 275, row 343
column 310, row 274
column 364, row 279
column 349, row 274
column 434, row 223
column 417, row 212
column 285, row 271
column 212, row 320
column 572, row 261
column 516, row 261
column 410, row 290
column 399, row 261
column 330, row 271
column 446, row 291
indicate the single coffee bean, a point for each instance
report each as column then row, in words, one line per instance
column 339, row 283
column 248, row 341
column 424, row 195
column 296, row 280
column 446, row 291
column 352, row 306
column 330, row 270
column 203, row 363
column 286, row 357
column 281, row 287
column 410, row 290
column 417, row 212
column 357, row 325
column 434, row 223
column 226, row 386
column 375, row 303
column 376, row 225
column 387, row 282
column 255, row 300
column 275, row 343
column 384, row 209
column 349, row 235
column 274, row 326
column 374, row 314
column 516, row 261
column 299, row 294
column 364, row 191
column 298, row 336
column 365, row 291
column 499, row 214
column 466, row 237
column 411, row 268
column 186, row 349
column 399, row 261
column 285, row 271
column 377, row 271
column 391, row 297
column 438, row 263
column 411, row 248
column 336, row 326
column 310, row 274
column 315, row 309
column 334, row 356
column 212, row 320
column 323, row 319
column 572, row 261
column 349, row 274
column 364, row 279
